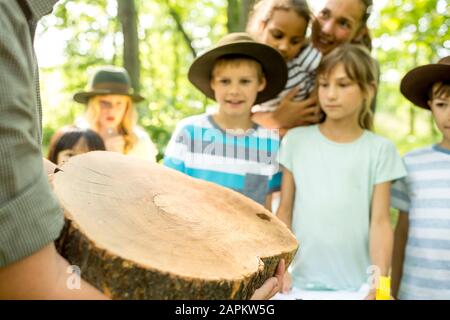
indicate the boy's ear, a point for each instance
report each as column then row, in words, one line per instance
column 262, row 84
column 430, row 103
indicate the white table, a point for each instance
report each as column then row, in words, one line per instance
column 300, row 294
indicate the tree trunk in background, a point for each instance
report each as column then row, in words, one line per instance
column 237, row 13
column 127, row 16
column 233, row 15
column 178, row 21
column 412, row 109
column 246, row 7
column 176, row 69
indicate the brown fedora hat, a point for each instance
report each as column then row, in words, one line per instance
column 241, row 43
column 108, row 80
column 416, row 84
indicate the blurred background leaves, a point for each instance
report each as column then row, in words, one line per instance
column 83, row 34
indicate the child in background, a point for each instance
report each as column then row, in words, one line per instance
column 421, row 260
column 71, row 141
column 282, row 24
column 335, row 192
column 226, row 147
column 110, row 112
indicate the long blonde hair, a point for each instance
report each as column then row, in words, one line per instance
column 126, row 126
column 361, row 68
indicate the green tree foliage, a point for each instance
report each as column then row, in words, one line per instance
column 171, row 33
column 237, row 13
column 91, row 36
column 406, row 34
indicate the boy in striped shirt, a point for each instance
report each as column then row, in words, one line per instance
column 226, row 147
column 421, row 261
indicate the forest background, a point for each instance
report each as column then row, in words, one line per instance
column 156, row 41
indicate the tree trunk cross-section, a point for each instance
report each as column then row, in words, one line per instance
column 138, row 230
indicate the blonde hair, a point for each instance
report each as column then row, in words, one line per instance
column 237, row 60
column 263, row 11
column 361, row 68
column 125, row 127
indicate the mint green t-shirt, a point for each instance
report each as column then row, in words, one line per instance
column 334, row 185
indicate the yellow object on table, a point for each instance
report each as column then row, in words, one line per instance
column 383, row 291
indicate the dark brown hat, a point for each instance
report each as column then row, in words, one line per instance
column 241, row 43
column 108, row 80
column 416, row 84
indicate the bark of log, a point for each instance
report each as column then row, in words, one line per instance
column 138, row 230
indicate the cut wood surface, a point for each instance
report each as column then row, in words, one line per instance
column 139, row 230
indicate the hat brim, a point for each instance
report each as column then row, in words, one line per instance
column 273, row 64
column 84, row 96
column 416, row 84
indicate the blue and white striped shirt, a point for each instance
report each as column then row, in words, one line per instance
column 425, row 195
column 244, row 162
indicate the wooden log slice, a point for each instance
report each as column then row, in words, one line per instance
column 139, row 230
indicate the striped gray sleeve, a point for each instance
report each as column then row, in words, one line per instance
column 30, row 215
column 399, row 195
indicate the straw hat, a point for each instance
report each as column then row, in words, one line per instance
column 241, row 43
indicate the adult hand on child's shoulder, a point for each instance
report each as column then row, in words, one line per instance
column 272, row 285
column 292, row 113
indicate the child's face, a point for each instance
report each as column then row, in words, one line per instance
column 112, row 111
column 236, row 87
column 285, row 31
column 337, row 23
column 340, row 97
column 440, row 106
column 79, row 148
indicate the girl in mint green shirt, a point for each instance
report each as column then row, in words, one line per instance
column 335, row 192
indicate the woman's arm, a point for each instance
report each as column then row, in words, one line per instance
column 381, row 234
column 289, row 113
column 400, row 238
column 284, row 212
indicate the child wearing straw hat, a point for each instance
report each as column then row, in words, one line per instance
column 421, row 261
column 226, row 147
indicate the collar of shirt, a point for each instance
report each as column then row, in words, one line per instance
column 39, row 8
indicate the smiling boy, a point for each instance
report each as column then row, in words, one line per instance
column 226, row 147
